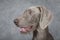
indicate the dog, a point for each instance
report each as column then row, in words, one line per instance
column 35, row 19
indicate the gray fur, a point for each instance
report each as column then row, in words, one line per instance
column 39, row 17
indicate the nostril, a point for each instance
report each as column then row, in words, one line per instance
column 16, row 21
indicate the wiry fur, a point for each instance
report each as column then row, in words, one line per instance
column 39, row 17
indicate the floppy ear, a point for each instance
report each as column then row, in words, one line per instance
column 45, row 18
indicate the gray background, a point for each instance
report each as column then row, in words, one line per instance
column 10, row 9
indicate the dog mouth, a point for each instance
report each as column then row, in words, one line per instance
column 25, row 29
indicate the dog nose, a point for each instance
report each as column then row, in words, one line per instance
column 16, row 21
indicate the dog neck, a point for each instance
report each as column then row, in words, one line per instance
column 41, row 34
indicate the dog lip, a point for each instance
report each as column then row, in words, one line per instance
column 25, row 29
column 25, row 26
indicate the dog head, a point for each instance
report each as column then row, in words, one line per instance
column 33, row 18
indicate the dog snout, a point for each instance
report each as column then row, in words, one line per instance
column 16, row 21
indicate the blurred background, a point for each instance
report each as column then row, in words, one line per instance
column 10, row 9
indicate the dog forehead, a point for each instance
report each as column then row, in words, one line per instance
column 34, row 8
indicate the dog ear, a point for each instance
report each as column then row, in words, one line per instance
column 45, row 18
